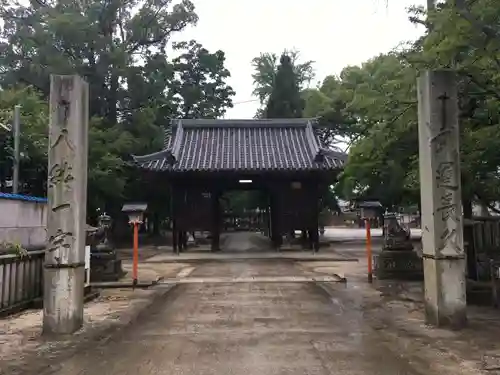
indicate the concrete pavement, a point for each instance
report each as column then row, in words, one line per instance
column 244, row 328
column 237, row 246
column 350, row 234
column 252, row 246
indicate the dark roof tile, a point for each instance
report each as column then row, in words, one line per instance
column 241, row 145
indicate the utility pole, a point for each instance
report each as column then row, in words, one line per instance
column 17, row 133
column 64, row 268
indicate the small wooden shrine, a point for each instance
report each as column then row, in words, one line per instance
column 284, row 158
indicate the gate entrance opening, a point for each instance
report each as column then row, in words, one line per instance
column 205, row 161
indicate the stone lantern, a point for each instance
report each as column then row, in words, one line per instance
column 397, row 260
column 104, row 262
column 396, row 236
column 135, row 212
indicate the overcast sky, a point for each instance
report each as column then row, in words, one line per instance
column 332, row 33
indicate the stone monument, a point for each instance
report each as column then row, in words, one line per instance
column 64, row 267
column 397, row 260
column 441, row 199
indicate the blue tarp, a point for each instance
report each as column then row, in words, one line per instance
column 20, row 197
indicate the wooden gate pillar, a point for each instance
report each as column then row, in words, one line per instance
column 216, row 220
column 276, row 236
column 173, row 213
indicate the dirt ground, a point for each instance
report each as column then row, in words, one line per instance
column 257, row 327
column 21, row 342
column 396, row 309
column 246, row 328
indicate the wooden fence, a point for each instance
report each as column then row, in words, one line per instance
column 21, row 281
column 482, row 240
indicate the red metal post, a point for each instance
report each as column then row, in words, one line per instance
column 136, row 253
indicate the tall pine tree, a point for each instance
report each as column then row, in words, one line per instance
column 285, row 100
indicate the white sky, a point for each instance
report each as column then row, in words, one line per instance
column 332, row 33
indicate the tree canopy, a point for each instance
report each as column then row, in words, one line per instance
column 285, row 100
column 265, row 73
column 140, row 79
column 372, row 109
column 120, row 47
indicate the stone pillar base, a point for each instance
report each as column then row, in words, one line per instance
column 60, row 317
column 105, row 267
column 398, row 265
column 445, row 289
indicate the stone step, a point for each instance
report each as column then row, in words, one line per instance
column 252, row 279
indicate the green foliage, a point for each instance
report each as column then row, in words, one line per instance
column 33, row 141
column 381, row 95
column 135, row 88
column 372, row 109
column 285, row 100
column 199, row 88
column 467, row 40
column 13, row 248
column 266, row 70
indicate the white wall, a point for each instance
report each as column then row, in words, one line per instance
column 23, row 222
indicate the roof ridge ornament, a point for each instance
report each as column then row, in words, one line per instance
column 176, row 146
column 319, row 152
column 319, row 157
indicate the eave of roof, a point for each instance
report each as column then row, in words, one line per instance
column 169, row 157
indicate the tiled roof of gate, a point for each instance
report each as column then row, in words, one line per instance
column 242, row 145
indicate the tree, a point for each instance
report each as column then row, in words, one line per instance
column 199, row 88
column 285, row 100
column 382, row 97
column 265, row 71
column 98, row 40
column 135, row 89
column 34, row 129
column 464, row 37
column 339, row 126
column 370, row 110
column 33, row 139
column 374, row 108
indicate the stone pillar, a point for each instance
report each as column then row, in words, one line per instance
column 67, row 203
column 440, row 192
